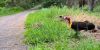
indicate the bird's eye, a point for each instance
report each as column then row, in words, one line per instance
column 60, row 16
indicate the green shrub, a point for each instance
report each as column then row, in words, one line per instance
column 8, row 11
column 48, row 28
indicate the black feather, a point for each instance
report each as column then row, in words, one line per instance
column 78, row 26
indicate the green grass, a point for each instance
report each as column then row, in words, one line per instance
column 8, row 11
column 45, row 31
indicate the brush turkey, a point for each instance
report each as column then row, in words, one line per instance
column 78, row 26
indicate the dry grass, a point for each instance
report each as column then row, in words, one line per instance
column 84, row 16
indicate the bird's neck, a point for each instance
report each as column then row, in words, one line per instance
column 70, row 23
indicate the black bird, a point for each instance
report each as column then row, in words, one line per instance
column 78, row 26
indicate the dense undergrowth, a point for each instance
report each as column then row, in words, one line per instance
column 8, row 11
column 45, row 31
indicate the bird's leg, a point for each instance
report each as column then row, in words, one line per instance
column 85, row 30
column 77, row 35
column 77, row 32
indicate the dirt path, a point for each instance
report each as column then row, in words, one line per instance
column 11, row 29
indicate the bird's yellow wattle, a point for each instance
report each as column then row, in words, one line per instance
column 70, row 23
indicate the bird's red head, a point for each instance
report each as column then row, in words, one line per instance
column 68, row 19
